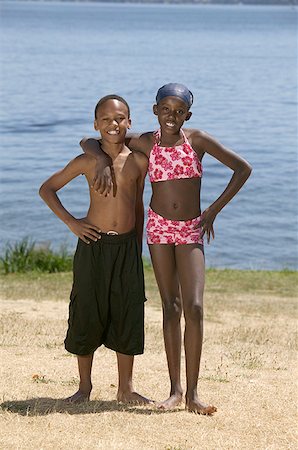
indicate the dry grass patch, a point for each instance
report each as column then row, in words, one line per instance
column 248, row 370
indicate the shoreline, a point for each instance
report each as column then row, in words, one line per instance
column 180, row 2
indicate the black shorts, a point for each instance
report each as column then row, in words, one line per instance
column 107, row 297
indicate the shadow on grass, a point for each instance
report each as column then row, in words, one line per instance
column 47, row 405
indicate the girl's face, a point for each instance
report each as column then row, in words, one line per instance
column 172, row 112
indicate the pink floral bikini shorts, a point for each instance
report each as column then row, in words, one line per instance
column 167, row 231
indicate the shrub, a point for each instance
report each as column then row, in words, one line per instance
column 26, row 256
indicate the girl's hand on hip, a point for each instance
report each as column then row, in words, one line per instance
column 206, row 224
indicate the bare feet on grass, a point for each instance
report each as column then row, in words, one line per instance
column 82, row 395
column 194, row 405
column 172, row 402
column 133, row 398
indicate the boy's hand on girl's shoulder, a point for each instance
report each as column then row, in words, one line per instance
column 206, row 223
column 84, row 230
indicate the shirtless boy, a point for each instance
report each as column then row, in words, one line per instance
column 107, row 297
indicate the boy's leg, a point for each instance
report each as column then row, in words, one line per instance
column 85, row 387
column 164, row 264
column 191, row 270
column 125, row 393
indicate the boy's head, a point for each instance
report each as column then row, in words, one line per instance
column 111, row 97
column 173, row 101
column 112, row 118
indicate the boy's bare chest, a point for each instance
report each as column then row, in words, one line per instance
column 124, row 171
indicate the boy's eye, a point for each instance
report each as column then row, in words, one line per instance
column 180, row 112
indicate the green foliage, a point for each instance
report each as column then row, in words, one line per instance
column 26, row 256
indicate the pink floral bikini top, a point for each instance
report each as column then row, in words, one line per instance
column 172, row 163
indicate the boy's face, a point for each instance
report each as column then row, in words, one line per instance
column 172, row 112
column 112, row 121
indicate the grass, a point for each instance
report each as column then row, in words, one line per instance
column 283, row 282
column 36, row 285
column 26, row 256
column 248, row 370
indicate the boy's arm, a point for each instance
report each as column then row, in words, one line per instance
column 240, row 167
column 103, row 179
column 142, row 162
column 80, row 227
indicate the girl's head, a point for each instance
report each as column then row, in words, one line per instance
column 173, row 101
column 175, row 90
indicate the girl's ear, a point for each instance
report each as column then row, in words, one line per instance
column 155, row 109
column 188, row 115
column 95, row 125
column 129, row 124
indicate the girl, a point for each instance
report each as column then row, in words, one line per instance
column 176, row 226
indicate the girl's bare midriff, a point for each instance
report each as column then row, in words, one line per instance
column 177, row 199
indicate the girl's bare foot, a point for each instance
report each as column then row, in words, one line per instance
column 195, row 406
column 133, row 398
column 78, row 397
column 172, row 402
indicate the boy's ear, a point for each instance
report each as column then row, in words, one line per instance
column 129, row 124
column 95, row 125
column 155, row 109
column 188, row 115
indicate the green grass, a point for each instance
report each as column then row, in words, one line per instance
column 36, row 286
column 283, row 282
column 28, row 271
column 26, row 256
column 51, row 286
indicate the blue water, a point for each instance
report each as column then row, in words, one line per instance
column 58, row 59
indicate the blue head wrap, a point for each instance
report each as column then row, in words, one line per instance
column 175, row 90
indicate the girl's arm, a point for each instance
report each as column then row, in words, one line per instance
column 103, row 181
column 142, row 162
column 80, row 227
column 241, row 168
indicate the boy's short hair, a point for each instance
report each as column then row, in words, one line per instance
column 111, row 97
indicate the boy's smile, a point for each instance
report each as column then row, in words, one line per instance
column 112, row 121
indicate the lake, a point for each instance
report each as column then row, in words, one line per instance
column 240, row 62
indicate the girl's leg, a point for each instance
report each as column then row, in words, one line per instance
column 125, row 393
column 191, row 271
column 164, row 264
column 85, row 387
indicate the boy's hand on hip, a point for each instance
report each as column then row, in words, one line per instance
column 84, row 230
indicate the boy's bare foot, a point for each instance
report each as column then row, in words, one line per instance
column 172, row 402
column 133, row 398
column 78, row 397
column 198, row 407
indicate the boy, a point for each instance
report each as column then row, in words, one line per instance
column 107, row 297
